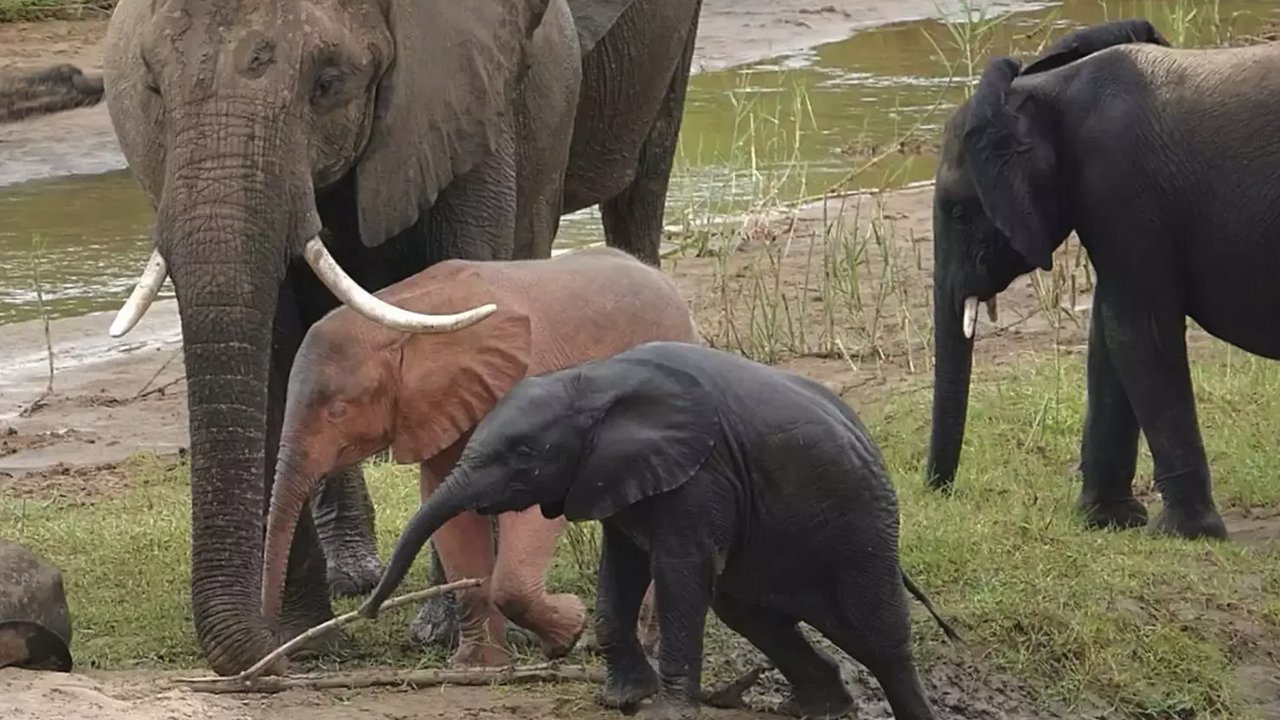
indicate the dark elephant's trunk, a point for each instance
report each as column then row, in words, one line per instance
column 454, row 496
column 953, row 365
column 224, row 227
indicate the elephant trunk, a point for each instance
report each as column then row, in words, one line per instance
column 223, row 227
column 953, row 365
column 293, row 486
column 456, row 495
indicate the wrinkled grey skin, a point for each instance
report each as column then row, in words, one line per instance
column 769, row 519
column 29, row 93
column 1160, row 160
column 409, row 131
column 35, row 623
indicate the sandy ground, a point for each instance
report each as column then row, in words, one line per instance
column 111, row 398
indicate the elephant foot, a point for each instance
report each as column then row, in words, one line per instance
column 436, row 625
column 1191, row 523
column 1121, row 514
column 563, row 625
column 353, row 572
column 825, row 703
column 624, row 689
column 666, row 709
column 478, row 654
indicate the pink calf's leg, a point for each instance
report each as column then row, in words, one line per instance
column 526, row 543
column 465, row 544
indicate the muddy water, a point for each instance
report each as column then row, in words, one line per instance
column 789, row 127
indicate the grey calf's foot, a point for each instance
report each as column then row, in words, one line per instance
column 1121, row 514
column 668, row 709
column 1191, row 524
column 625, row 689
column 823, row 704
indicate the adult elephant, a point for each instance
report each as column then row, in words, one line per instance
column 1156, row 158
column 376, row 138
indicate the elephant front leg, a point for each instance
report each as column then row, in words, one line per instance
column 683, row 577
column 1147, row 344
column 526, row 544
column 1109, row 451
column 633, row 219
column 624, row 575
column 344, row 518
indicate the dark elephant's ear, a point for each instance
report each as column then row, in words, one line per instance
column 441, row 106
column 1086, row 41
column 594, row 18
column 656, row 433
column 1010, row 154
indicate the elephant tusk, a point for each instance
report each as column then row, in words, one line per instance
column 970, row 316
column 144, row 293
column 380, row 311
column 992, row 313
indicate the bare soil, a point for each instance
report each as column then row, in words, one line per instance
column 113, row 398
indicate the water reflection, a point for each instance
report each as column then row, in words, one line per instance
column 788, row 127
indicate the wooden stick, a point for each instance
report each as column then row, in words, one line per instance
column 400, row 678
column 254, row 671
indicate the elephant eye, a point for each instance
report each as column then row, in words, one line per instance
column 327, row 82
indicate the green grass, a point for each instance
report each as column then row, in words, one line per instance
column 29, row 10
column 1143, row 623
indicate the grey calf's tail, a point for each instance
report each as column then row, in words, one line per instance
column 924, row 600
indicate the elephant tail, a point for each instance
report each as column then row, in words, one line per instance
column 915, row 590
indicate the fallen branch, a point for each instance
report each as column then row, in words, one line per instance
column 250, row 676
column 414, row 679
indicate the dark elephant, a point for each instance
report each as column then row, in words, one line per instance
column 1156, row 157
column 770, row 518
column 299, row 154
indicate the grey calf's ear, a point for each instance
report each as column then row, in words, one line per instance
column 656, row 433
column 441, row 105
column 594, row 18
column 1089, row 40
column 1010, row 155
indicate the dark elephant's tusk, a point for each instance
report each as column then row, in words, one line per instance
column 144, row 293
column 380, row 311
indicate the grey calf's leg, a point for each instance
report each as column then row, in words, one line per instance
column 624, row 578
column 633, row 218
column 683, row 576
column 817, row 690
column 344, row 518
column 1109, row 451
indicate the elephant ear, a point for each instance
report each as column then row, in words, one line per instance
column 594, row 18
column 1010, row 154
column 1094, row 38
column 449, row 382
column 441, row 105
column 652, row 437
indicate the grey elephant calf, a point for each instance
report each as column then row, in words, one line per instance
column 770, row 518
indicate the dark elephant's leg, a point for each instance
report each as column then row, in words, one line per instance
column 344, row 517
column 633, row 219
column 683, row 577
column 817, row 690
column 869, row 619
column 1109, row 452
column 306, row 597
column 1147, row 342
column 624, row 578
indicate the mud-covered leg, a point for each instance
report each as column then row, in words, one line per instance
column 437, row 621
column 817, row 691
column 1109, row 451
column 633, row 219
column 624, row 577
column 683, row 571
column 344, row 518
column 869, row 619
